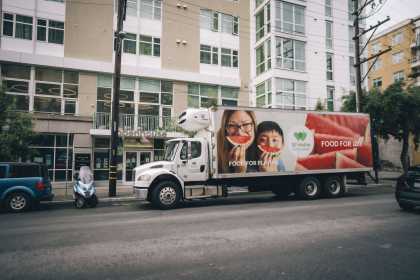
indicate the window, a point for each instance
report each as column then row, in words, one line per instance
column 195, row 149
column 149, row 46
column 56, row 91
column 129, row 43
column 262, row 22
column 328, row 8
column 397, row 57
column 263, row 94
column 229, row 96
column 352, row 71
column 377, row 83
column 148, row 101
column 290, row 94
column 209, row 55
column 210, row 20
column 397, row 39
column 16, row 79
column 290, row 54
column 258, row 3
column 290, row 18
column 350, row 6
column 263, row 57
column 398, row 76
column 351, row 41
column 204, row 96
column 376, row 47
column 229, row 58
column 151, row 9
column 330, row 98
column 56, row 152
column 50, row 31
column 2, row 171
column 131, row 9
column 329, row 66
column 329, row 35
column 17, row 26
column 377, row 64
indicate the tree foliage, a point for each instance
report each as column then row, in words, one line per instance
column 396, row 113
column 319, row 106
column 15, row 130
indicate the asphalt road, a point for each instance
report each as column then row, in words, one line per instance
column 363, row 235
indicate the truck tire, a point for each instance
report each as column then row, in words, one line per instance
column 18, row 202
column 166, row 195
column 333, row 186
column 309, row 188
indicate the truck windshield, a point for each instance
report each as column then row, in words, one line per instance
column 170, row 150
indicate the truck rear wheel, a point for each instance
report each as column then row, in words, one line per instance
column 166, row 195
column 333, row 186
column 309, row 188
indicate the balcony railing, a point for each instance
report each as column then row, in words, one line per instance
column 136, row 122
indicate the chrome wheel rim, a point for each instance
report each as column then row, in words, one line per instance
column 18, row 202
column 334, row 187
column 311, row 189
column 167, row 195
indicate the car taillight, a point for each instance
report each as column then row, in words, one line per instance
column 40, row 186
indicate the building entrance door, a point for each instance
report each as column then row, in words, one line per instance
column 132, row 159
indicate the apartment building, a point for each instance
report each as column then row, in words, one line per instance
column 57, row 62
column 303, row 53
column 403, row 61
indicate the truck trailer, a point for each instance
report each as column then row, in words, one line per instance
column 303, row 152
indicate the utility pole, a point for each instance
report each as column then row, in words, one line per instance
column 357, row 55
column 116, row 98
column 358, row 63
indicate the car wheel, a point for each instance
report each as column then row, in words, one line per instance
column 166, row 195
column 309, row 188
column 333, row 186
column 18, row 202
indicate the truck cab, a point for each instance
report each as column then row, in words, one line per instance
column 165, row 182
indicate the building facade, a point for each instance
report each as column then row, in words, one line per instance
column 57, row 62
column 303, row 53
column 402, row 63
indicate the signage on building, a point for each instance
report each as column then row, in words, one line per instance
column 142, row 134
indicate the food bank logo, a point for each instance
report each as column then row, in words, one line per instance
column 300, row 136
column 300, row 141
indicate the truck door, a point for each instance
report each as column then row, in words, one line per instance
column 192, row 165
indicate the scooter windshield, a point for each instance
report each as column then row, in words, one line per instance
column 85, row 175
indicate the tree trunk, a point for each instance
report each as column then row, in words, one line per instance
column 404, row 153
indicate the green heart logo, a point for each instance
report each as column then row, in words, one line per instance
column 300, row 136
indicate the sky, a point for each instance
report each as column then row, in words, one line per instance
column 398, row 10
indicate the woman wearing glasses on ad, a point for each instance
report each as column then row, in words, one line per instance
column 237, row 135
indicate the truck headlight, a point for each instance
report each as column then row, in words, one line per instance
column 144, row 177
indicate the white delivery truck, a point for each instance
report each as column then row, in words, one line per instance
column 305, row 152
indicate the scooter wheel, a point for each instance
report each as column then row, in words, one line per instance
column 79, row 202
column 93, row 202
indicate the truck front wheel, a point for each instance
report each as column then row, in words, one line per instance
column 309, row 188
column 166, row 195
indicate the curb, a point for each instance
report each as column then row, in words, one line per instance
column 105, row 200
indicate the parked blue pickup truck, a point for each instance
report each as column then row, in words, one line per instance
column 23, row 185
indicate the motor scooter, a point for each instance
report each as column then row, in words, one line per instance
column 84, row 191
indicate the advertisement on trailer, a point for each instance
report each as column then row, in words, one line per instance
column 284, row 141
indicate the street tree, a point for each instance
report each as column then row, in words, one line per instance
column 15, row 130
column 396, row 113
column 319, row 106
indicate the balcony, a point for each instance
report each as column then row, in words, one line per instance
column 137, row 123
column 415, row 61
